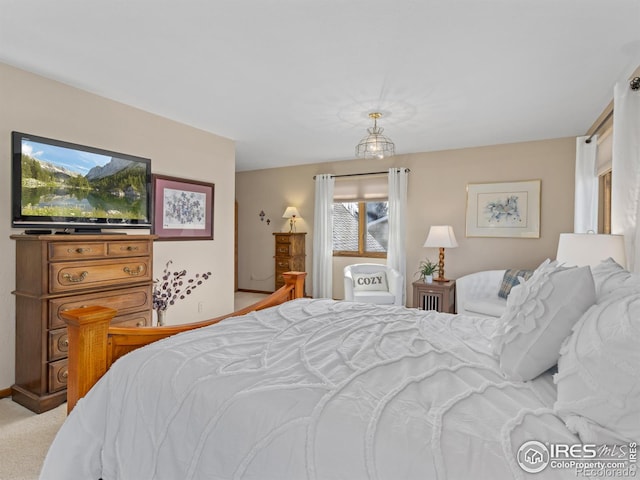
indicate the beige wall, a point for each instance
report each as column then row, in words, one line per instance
column 437, row 195
column 33, row 104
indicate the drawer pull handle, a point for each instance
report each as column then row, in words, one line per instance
column 133, row 273
column 78, row 279
column 64, row 374
column 140, row 324
column 63, row 343
column 129, row 248
column 78, row 250
column 282, row 264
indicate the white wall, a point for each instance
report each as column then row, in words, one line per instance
column 33, row 104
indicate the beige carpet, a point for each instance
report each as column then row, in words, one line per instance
column 25, row 438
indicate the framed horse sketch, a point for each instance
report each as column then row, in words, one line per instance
column 505, row 209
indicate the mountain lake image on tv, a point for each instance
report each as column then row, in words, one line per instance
column 63, row 184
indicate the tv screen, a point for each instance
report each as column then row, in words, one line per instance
column 63, row 185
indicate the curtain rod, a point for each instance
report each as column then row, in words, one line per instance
column 634, row 84
column 360, row 174
column 600, row 125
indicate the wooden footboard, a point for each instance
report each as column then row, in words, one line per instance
column 94, row 345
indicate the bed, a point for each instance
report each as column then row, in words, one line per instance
column 323, row 389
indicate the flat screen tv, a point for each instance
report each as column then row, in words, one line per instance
column 62, row 185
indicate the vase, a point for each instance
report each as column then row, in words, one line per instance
column 161, row 316
column 428, row 279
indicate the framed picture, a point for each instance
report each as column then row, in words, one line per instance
column 506, row 209
column 183, row 209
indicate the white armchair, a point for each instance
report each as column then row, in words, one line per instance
column 390, row 296
column 477, row 294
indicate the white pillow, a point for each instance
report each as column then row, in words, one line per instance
column 598, row 377
column 539, row 316
column 370, row 281
column 609, row 277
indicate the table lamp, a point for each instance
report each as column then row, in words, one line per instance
column 291, row 213
column 581, row 249
column 441, row 236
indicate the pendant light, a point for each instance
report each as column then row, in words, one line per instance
column 375, row 145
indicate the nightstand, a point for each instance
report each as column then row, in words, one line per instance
column 439, row 296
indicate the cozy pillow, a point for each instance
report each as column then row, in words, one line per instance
column 370, row 281
column 539, row 316
column 609, row 277
column 511, row 279
column 598, row 378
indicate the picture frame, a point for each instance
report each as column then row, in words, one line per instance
column 503, row 209
column 183, row 209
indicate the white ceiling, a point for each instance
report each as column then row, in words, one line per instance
column 292, row 81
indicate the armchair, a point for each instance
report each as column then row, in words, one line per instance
column 385, row 296
column 477, row 294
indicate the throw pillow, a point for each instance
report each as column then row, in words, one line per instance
column 370, row 281
column 598, row 380
column 511, row 279
column 539, row 316
column 610, row 277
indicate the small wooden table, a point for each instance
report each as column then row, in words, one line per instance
column 439, row 296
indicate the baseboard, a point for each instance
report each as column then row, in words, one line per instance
column 254, row 291
column 5, row 392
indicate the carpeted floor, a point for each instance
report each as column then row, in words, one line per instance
column 25, row 438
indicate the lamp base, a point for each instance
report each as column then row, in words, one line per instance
column 441, row 279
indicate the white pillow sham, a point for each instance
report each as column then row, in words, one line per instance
column 376, row 281
column 598, row 377
column 539, row 316
column 609, row 276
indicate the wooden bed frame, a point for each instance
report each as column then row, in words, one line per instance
column 94, row 345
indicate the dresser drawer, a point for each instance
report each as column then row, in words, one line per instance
column 127, row 249
column 125, row 301
column 139, row 319
column 58, row 344
column 58, row 375
column 283, row 249
column 69, row 276
column 283, row 265
column 283, row 239
column 75, row 250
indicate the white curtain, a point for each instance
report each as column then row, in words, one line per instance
column 323, row 238
column 625, row 179
column 396, row 250
column 585, row 215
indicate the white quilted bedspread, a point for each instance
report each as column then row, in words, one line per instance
column 312, row 389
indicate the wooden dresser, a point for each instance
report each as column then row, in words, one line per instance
column 290, row 256
column 60, row 272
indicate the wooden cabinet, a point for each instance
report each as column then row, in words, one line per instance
column 290, row 256
column 439, row 296
column 61, row 272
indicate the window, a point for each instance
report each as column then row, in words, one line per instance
column 361, row 228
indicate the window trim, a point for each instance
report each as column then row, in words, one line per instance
column 362, row 232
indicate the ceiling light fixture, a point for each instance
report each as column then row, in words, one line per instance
column 375, row 145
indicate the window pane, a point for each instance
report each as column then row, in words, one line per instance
column 345, row 226
column 377, row 238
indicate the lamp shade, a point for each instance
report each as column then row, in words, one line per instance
column 582, row 249
column 441, row 236
column 291, row 212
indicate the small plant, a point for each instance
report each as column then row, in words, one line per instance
column 174, row 286
column 427, row 268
